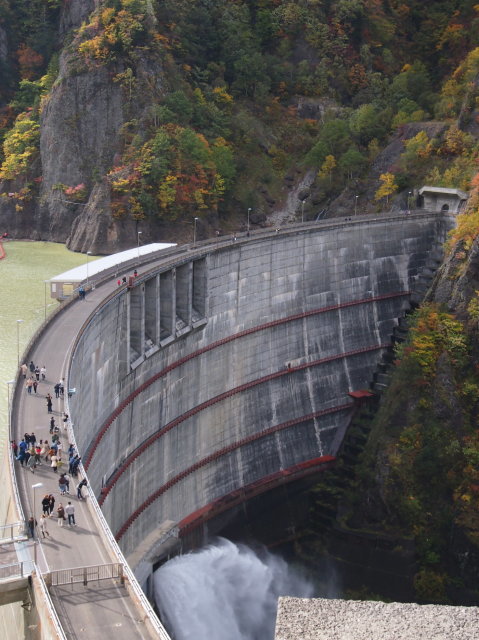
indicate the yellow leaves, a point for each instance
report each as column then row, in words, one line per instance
column 327, row 167
column 121, row 186
column 20, row 146
column 466, row 231
column 106, row 16
column 167, row 191
column 221, row 96
column 387, row 188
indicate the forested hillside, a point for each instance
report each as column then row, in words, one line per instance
column 121, row 111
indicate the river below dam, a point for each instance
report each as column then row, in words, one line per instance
column 25, row 302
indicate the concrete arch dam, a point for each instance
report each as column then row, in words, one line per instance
column 229, row 368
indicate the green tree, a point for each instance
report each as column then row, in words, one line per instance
column 352, row 163
column 369, row 122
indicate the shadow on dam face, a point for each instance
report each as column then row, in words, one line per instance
column 214, row 376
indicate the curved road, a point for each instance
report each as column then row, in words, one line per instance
column 101, row 609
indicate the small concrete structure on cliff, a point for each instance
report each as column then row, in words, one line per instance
column 442, row 199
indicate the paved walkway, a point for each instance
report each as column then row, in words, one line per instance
column 102, row 609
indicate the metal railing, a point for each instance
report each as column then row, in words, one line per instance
column 13, row 532
column 50, row 608
column 16, row 570
column 85, row 575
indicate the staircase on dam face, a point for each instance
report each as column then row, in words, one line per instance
column 327, row 494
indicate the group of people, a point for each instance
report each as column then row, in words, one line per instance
column 33, row 380
column 32, row 453
column 123, row 280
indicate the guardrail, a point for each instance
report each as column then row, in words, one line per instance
column 85, row 575
column 116, row 551
column 51, row 609
column 13, row 532
column 16, row 570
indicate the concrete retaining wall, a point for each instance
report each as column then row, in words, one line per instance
column 186, row 382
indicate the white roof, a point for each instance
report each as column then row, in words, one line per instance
column 93, row 267
column 445, row 191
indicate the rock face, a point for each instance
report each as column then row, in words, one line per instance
column 79, row 138
column 74, row 13
column 3, row 44
column 80, row 141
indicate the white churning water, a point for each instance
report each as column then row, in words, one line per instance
column 225, row 591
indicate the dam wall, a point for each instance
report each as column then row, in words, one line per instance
column 232, row 364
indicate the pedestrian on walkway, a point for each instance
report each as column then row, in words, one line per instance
column 70, row 511
column 45, row 450
column 56, row 388
column 52, row 424
column 24, row 369
column 35, row 385
column 31, row 366
column 32, row 523
column 60, row 515
column 54, row 463
column 64, row 484
column 29, row 385
column 14, row 446
column 43, row 526
column 82, row 484
column 43, row 372
column 49, row 403
column 52, row 503
column 46, row 505
column 75, row 465
column 31, row 464
column 37, row 373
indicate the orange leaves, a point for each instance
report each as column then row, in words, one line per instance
column 29, row 61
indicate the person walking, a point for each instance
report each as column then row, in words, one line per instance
column 35, row 385
column 43, row 526
column 49, row 403
column 32, row 523
column 62, row 484
column 61, row 515
column 82, row 484
column 37, row 373
column 31, row 463
column 31, row 366
column 24, row 369
column 29, row 385
column 54, row 463
column 70, row 511
column 52, row 503
column 56, row 388
column 45, row 451
column 43, row 372
column 46, row 505
column 38, row 453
